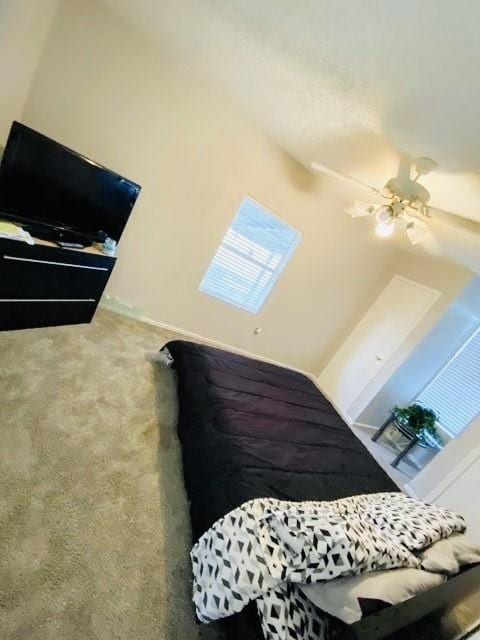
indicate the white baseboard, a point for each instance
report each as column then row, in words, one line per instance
column 446, row 481
column 345, row 417
column 410, row 492
column 111, row 303
column 130, row 312
column 362, row 425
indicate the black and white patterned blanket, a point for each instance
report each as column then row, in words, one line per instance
column 265, row 548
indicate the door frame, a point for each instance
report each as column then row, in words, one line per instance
column 434, row 296
column 430, row 300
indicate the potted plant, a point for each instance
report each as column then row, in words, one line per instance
column 419, row 420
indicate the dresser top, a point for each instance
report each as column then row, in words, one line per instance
column 47, row 243
column 93, row 250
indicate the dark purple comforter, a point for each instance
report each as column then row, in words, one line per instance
column 250, row 429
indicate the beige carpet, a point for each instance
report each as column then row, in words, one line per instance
column 94, row 528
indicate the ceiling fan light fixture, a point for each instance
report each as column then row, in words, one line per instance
column 385, row 229
column 384, row 213
column 406, row 205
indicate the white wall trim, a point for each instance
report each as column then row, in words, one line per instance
column 221, row 345
column 366, row 426
column 434, row 296
column 370, row 386
column 441, row 427
column 128, row 311
column 410, row 492
column 454, row 474
column 190, row 334
column 436, row 293
column 342, row 414
column 200, row 338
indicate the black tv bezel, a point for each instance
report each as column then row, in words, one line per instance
column 59, row 229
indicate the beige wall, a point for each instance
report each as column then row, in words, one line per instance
column 24, row 25
column 102, row 89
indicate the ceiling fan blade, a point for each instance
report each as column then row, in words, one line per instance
column 456, row 220
column 360, row 209
column 457, row 241
column 443, row 212
column 417, row 231
column 316, row 166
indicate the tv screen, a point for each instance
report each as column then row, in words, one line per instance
column 44, row 183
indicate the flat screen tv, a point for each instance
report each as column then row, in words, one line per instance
column 57, row 193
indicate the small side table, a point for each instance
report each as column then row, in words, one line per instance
column 412, row 437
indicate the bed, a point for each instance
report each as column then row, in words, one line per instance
column 249, row 429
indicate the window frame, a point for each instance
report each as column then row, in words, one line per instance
column 472, row 336
column 276, row 272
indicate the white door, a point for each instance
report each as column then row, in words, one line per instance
column 388, row 322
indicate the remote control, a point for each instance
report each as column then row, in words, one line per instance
column 70, row 245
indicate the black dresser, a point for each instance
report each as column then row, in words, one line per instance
column 43, row 285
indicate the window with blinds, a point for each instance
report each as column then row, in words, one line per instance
column 253, row 253
column 455, row 392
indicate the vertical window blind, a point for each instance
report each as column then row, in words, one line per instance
column 454, row 394
column 252, row 255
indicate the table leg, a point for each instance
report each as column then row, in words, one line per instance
column 404, row 452
column 379, row 431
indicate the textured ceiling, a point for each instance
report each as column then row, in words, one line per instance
column 349, row 83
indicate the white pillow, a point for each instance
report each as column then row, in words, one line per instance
column 339, row 597
column 447, row 556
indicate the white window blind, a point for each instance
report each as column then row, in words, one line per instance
column 252, row 255
column 454, row 394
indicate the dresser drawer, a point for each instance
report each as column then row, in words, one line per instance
column 50, row 274
column 25, row 314
column 43, row 285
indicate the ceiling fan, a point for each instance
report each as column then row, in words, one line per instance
column 407, row 200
